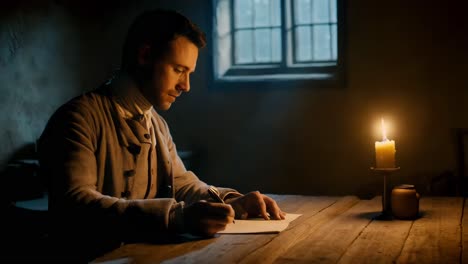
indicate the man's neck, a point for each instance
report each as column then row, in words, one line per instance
column 129, row 95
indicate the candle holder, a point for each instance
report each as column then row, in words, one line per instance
column 386, row 206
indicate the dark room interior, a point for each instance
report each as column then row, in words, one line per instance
column 404, row 61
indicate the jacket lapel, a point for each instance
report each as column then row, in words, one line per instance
column 164, row 156
column 124, row 133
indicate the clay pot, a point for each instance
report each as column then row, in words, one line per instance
column 405, row 202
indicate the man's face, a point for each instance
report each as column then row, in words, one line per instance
column 171, row 74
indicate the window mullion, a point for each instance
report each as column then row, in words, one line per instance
column 233, row 35
column 311, row 28
column 284, row 34
column 254, row 44
column 312, row 54
column 271, row 33
column 330, row 42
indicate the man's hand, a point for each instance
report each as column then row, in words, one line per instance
column 255, row 204
column 206, row 219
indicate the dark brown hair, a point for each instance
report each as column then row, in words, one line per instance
column 157, row 28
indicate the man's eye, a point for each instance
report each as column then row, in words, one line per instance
column 178, row 70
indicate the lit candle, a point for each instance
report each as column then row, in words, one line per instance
column 385, row 151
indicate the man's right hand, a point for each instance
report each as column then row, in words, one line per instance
column 206, row 219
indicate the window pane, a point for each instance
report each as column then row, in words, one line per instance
column 223, row 15
column 243, row 13
column 302, row 11
column 244, row 44
column 322, row 40
column 303, row 43
column 320, row 11
column 262, row 45
column 276, row 45
column 262, row 13
column 333, row 11
column 276, row 13
column 334, row 43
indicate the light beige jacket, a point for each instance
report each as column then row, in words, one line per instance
column 90, row 156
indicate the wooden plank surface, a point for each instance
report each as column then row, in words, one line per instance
column 328, row 240
column 330, row 230
column 464, row 237
column 236, row 248
column 299, row 230
column 380, row 242
column 436, row 236
column 150, row 253
column 239, row 245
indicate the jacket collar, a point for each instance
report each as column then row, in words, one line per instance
column 129, row 97
column 120, row 86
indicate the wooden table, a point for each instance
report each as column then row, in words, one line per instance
column 331, row 230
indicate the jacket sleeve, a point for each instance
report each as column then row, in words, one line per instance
column 188, row 187
column 67, row 150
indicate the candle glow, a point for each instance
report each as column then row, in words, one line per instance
column 385, row 150
column 384, row 130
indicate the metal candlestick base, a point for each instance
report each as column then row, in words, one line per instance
column 386, row 206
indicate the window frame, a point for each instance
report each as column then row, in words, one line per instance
column 323, row 74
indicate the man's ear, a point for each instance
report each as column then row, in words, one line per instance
column 144, row 54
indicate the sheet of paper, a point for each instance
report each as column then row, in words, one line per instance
column 259, row 225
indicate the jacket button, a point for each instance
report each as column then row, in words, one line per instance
column 126, row 194
column 147, row 136
column 134, row 149
column 129, row 173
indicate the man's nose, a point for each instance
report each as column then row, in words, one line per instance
column 184, row 83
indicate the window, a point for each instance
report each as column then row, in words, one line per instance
column 258, row 40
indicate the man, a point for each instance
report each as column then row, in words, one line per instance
column 113, row 172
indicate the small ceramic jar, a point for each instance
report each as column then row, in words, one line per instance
column 405, row 202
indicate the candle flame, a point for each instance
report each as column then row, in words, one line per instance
column 384, row 131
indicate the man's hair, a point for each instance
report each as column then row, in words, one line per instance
column 157, row 28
